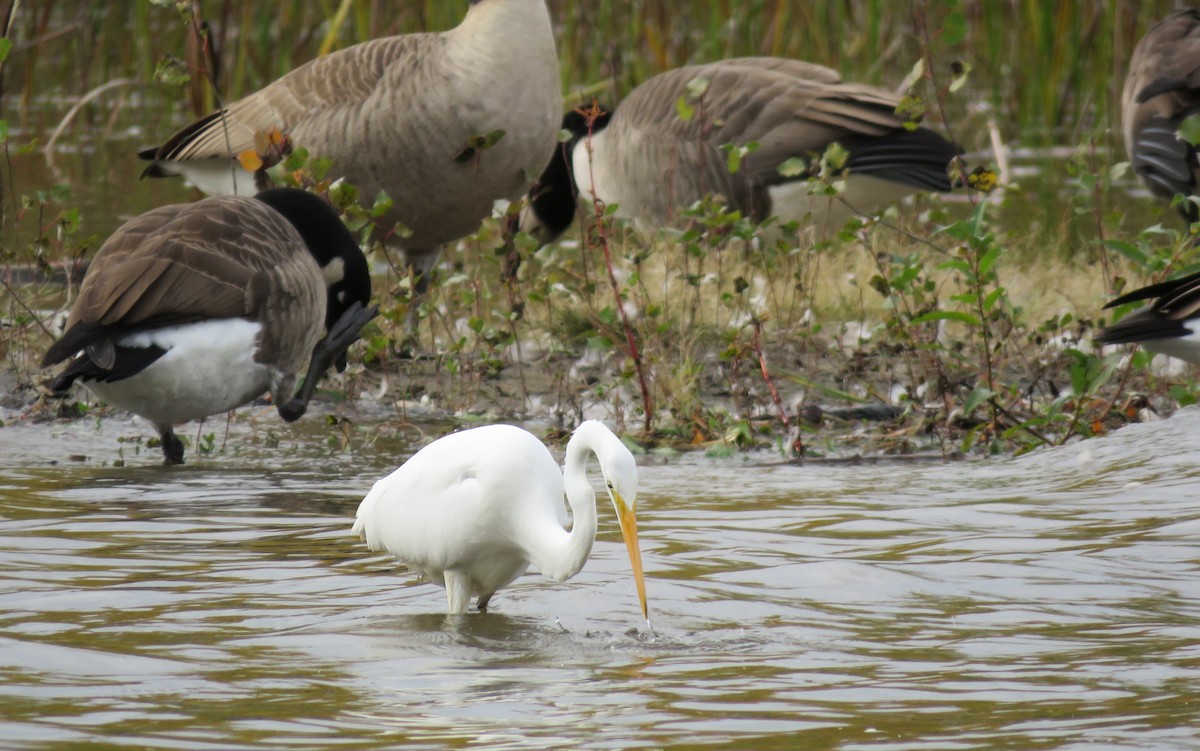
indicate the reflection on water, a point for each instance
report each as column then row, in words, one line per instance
column 1046, row 601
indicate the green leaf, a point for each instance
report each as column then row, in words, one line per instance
column 5, row 46
column 946, row 315
column 977, row 397
column 697, row 87
column 733, row 158
column 989, row 260
column 1127, row 249
column 685, row 111
column 914, row 75
column 954, row 29
column 1189, row 129
column 172, row 71
column 797, row 166
column 955, row 264
column 383, row 204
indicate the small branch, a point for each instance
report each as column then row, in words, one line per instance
column 71, row 113
column 12, row 293
column 591, row 113
column 766, row 374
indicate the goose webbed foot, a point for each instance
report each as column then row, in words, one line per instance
column 330, row 350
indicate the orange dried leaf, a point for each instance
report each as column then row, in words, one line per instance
column 250, row 160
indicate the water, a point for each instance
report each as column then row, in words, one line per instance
column 1048, row 601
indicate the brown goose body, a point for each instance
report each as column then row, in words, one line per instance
column 654, row 163
column 191, row 310
column 399, row 115
column 1162, row 90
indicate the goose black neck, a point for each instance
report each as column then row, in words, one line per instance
column 330, row 242
column 555, row 195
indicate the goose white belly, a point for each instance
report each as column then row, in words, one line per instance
column 214, row 177
column 208, row 368
column 1182, row 347
column 792, row 201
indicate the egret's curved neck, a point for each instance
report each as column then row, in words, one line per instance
column 567, row 558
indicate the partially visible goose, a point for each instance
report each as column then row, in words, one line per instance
column 409, row 115
column 1161, row 91
column 193, row 309
column 1170, row 325
column 654, row 163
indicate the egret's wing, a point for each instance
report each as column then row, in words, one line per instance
column 425, row 513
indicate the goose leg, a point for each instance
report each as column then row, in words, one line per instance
column 512, row 257
column 420, row 262
column 172, row 447
column 345, row 332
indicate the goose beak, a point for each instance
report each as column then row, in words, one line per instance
column 628, row 521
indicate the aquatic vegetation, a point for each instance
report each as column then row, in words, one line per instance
column 953, row 325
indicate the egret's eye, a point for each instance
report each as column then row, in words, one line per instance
column 609, row 484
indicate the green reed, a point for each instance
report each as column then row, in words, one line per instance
column 1046, row 68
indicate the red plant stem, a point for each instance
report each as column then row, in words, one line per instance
column 766, row 374
column 591, row 113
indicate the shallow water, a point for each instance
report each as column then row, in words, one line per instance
column 1048, row 601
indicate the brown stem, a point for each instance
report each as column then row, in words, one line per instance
column 601, row 238
column 766, row 375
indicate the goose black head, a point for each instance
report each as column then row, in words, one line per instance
column 347, row 276
column 553, row 199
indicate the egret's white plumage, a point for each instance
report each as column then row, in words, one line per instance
column 472, row 510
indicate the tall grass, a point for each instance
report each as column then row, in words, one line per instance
column 1043, row 69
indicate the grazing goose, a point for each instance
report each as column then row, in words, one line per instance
column 472, row 510
column 414, row 115
column 654, row 163
column 1170, row 325
column 193, row 309
column 1161, row 91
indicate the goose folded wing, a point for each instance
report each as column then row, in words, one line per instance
column 343, row 80
column 171, row 267
column 787, row 107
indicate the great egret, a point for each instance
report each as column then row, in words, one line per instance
column 194, row 309
column 652, row 162
column 1170, row 325
column 472, row 510
column 1161, row 92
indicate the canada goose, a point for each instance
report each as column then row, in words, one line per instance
column 1161, row 91
column 1170, row 325
column 417, row 116
column 191, row 310
column 653, row 162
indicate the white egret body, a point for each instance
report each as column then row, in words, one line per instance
column 472, row 510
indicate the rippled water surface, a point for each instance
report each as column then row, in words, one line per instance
column 1049, row 601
